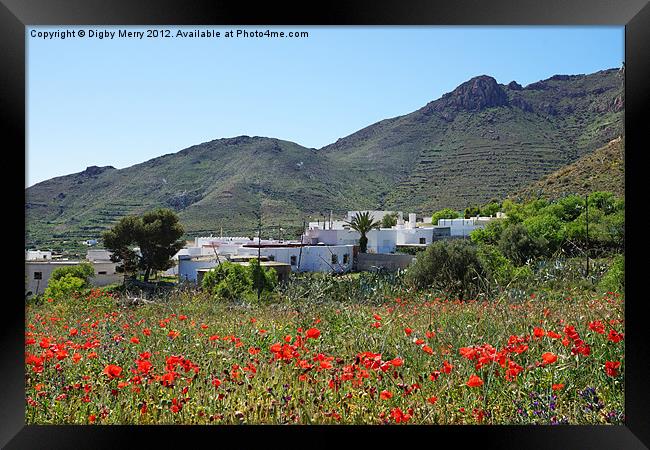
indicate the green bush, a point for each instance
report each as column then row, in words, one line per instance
column 64, row 286
column 614, row 279
column 519, row 246
column 450, row 266
column 501, row 272
column 230, row 281
column 446, row 213
column 84, row 271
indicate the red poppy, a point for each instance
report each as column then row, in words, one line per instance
column 474, row 381
column 408, row 331
column 548, row 358
column 216, row 382
column 611, row 368
column 432, row 399
column 538, row 332
column 446, row 367
column 112, row 371
column 427, row 349
column 614, row 336
column 399, row 416
column 73, row 331
column 135, row 340
column 597, row 326
column 430, row 334
column 557, row 387
column 396, row 362
column 385, row 395
column 313, row 333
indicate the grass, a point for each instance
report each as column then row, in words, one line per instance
column 199, row 361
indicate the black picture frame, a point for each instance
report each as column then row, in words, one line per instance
column 15, row 15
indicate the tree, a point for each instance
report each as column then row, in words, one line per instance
column 363, row 223
column 157, row 234
column 517, row 244
column 491, row 208
column 159, row 240
column 120, row 240
column 472, row 211
column 445, row 213
column 389, row 220
column 230, row 281
column 453, row 267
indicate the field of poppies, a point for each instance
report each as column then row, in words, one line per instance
column 410, row 359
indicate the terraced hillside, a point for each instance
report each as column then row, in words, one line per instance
column 483, row 140
column 602, row 170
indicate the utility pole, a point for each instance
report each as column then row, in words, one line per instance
column 587, row 231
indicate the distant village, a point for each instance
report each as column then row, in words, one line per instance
column 325, row 246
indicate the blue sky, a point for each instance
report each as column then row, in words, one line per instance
column 123, row 101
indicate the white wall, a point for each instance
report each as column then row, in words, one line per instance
column 110, row 275
column 187, row 267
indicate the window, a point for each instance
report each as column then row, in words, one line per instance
column 346, row 258
column 293, row 260
column 423, row 240
column 38, row 275
column 271, row 257
column 335, row 259
column 103, row 272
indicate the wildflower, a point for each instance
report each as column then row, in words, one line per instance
column 446, row 367
column 112, row 371
column 408, row 331
column 474, row 381
column 432, row 399
column 399, row 416
column 385, row 395
column 597, row 326
column 135, row 340
column 557, row 387
column 614, row 336
column 313, row 333
column 611, row 368
column 538, row 332
column 548, row 358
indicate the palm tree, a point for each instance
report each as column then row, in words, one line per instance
column 363, row 222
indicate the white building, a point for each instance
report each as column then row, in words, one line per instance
column 463, row 227
column 38, row 272
column 38, row 255
column 300, row 257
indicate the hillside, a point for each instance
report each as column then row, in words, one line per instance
column 483, row 140
column 602, row 170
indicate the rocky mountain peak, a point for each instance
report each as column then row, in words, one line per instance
column 474, row 95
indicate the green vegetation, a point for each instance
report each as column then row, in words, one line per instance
column 445, row 213
column 156, row 234
column 449, row 266
column 67, row 281
column 232, row 282
column 363, row 222
column 389, row 220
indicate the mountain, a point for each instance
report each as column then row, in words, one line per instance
column 481, row 141
column 602, row 170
